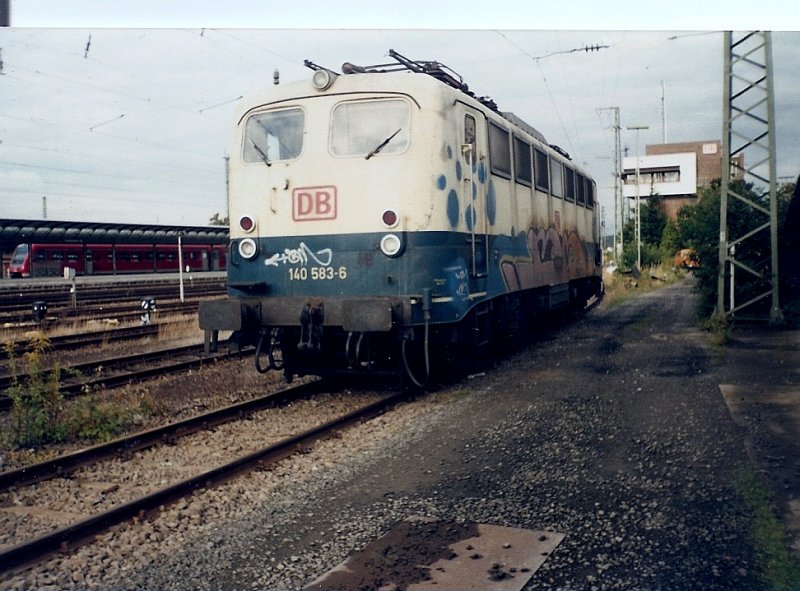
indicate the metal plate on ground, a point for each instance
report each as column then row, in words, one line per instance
column 424, row 554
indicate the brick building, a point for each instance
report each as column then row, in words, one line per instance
column 673, row 171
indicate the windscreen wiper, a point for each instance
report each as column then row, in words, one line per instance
column 261, row 152
column 380, row 146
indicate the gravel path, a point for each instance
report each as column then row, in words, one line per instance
column 612, row 432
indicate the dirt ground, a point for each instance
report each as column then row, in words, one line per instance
column 761, row 387
column 625, row 431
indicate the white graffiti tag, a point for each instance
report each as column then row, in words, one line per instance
column 301, row 256
column 462, row 289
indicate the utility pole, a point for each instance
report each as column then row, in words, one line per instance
column 619, row 200
column 638, row 128
column 663, row 114
column 748, row 118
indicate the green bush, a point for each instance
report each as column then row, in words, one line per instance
column 97, row 421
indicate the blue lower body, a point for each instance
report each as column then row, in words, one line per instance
column 325, row 302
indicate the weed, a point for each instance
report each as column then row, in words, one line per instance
column 97, row 421
column 622, row 287
column 778, row 565
column 36, row 400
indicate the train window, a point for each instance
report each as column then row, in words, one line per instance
column 556, row 178
column 469, row 129
column 368, row 128
column 590, row 189
column 581, row 188
column 19, row 254
column 499, row 150
column 569, row 184
column 522, row 162
column 542, row 170
column 276, row 135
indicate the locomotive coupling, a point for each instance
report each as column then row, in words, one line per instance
column 312, row 317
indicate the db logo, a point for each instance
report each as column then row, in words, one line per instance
column 313, row 203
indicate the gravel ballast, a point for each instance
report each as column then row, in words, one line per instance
column 611, row 431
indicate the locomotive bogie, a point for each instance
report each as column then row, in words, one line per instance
column 395, row 214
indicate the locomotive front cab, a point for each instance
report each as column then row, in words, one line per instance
column 19, row 265
column 329, row 192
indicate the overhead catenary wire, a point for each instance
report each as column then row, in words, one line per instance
column 537, row 60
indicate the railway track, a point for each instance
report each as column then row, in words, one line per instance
column 20, row 297
column 72, row 468
column 119, row 370
column 70, row 342
column 88, row 313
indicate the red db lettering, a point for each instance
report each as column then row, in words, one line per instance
column 314, row 203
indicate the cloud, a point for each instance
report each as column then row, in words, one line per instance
column 138, row 127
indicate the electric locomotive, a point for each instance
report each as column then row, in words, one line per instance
column 387, row 220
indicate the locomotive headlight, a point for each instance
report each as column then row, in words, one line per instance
column 248, row 248
column 391, row 245
column 322, row 79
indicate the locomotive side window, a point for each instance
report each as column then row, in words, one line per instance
column 522, row 162
column 366, row 128
column 590, row 189
column 556, row 178
column 499, row 151
column 277, row 135
column 542, row 170
column 469, row 129
column 569, row 184
column 581, row 188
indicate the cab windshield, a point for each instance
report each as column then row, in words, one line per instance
column 19, row 254
column 274, row 136
column 366, row 128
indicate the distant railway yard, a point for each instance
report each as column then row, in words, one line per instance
column 612, row 440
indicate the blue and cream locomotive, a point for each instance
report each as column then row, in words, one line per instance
column 387, row 220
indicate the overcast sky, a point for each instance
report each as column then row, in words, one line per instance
column 124, row 114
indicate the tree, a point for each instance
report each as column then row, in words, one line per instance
column 217, row 220
column 698, row 228
column 670, row 242
column 653, row 221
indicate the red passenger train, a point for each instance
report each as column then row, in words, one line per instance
column 49, row 260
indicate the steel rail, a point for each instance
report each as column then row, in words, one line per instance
column 109, row 381
column 94, row 337
column 74, row 535
column 62, row 465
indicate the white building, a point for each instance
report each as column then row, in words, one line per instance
column 674, row 172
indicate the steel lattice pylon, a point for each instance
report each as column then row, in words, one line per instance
column 748, row 205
